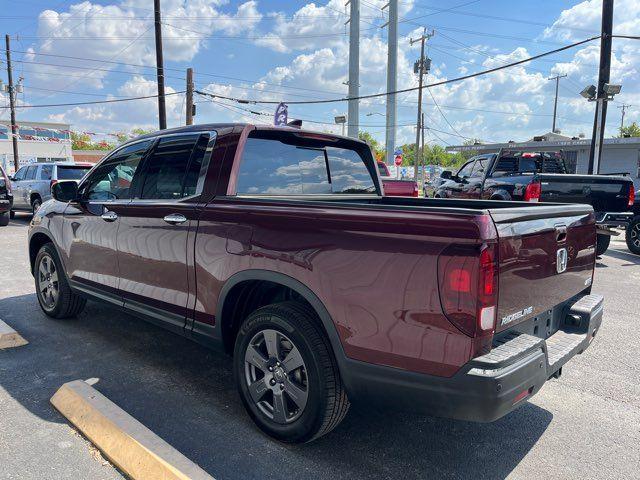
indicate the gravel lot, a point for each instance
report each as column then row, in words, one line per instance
column 585, row 425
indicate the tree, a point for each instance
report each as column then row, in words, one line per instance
column 632, row 130
column 376, row 148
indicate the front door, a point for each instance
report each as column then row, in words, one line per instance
column 91, row 225
column 157, row 229
column 17, row 186
column 456, row 186
column 473, row 187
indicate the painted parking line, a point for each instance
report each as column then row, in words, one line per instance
column 9, row 338
column 127, row 443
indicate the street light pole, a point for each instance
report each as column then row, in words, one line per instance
column 354, row 68
column 392, row 79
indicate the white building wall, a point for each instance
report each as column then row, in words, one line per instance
column 29, row 151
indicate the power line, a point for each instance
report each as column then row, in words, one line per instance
column 115, row 100
column 411, row 89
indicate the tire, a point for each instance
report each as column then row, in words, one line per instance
column 12, row 214
column 57, row 300
column 632, row 235
column 602, row 244
column 321, row 401
column 35, row 204
column 4, row 219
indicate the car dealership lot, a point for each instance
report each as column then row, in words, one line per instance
column 584, row 425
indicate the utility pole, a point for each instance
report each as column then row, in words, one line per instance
column 422, row 153
column 189, row 99
column 12, row 106
column 392, row 78
column 624, row 107
column 603, row 77
column 555, row 103
column 162, row 112
column 353, row 113
column 421, row 72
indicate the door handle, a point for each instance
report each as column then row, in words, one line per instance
column 175, row 219
column 109, row 216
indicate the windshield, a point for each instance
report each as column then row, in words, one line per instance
column 72, row 172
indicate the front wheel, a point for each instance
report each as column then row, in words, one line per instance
column 52, row 288
column 602, row 244
column 4, row 219
column 35, row 205
column 633, row 235
column 287, row 375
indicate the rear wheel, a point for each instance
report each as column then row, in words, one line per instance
column 602, row 244
column 12, row 214
column 52, row 288
column 35, row 204
column 286, row 374
column 633, row 235
column 4, row 219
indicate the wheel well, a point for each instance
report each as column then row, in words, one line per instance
column 245, row 298
column 36, row 243
column 34, row 196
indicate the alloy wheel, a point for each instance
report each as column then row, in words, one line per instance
column 48, row 282
column 635, row 235
column 276, row 376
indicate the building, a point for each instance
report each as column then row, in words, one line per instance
column 619, row 155
column 89, row 156
column 38, row 142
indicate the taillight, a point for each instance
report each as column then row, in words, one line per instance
column 532, row 192
column 632, row 196
column 415, row 190
column 468, row 281
column 52, row 183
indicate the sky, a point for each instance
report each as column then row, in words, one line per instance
column 72, row 51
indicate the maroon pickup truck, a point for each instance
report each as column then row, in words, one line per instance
column 276, row 245
column 396, row 188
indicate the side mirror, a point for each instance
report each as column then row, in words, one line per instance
column 446, row 175
column 65, row 191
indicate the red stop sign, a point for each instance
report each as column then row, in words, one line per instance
column 398, row 160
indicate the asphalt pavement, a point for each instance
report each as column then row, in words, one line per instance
column 584, row 425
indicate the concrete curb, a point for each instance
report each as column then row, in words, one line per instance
column 9, row 338
column 127, row 443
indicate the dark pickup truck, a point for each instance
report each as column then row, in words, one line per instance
column 276, row 245
column 533, row 177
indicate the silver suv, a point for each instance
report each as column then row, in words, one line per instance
column 31, row 184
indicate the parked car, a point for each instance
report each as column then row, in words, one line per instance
column 542, row 176
column 431, row 186
column 632, row 234
column 6, row 198
column 32, row 183
column 277, row 246
column 396, row 188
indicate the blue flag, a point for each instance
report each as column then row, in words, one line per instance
column 280, row 117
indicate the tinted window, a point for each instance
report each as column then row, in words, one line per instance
column 349, row 174
column 46, row 172
column 114, row 178
column 195, row 167
column 31, row 173
column 466, row 170
column 20, row 174
column 270, row 166
column 480, row 167
column 167, row 168
column 71, row 172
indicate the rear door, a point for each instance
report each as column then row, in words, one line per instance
column 546, row 256
column 157, row 229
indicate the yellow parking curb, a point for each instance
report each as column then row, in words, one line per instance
column 9, row 338
column 127, row 443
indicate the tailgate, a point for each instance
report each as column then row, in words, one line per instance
column 604, row 193
column 532, row 244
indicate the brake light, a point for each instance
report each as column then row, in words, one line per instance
column 532, row 192
column 468, row 280
column 415, row 190
column 632, row 196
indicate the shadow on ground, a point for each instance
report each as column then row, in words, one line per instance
column 185, row 393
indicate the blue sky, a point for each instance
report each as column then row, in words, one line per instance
column 296, row 50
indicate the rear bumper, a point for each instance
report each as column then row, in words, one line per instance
column 613, row 219
column 490, row 386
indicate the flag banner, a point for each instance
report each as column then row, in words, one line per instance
column 280, row 118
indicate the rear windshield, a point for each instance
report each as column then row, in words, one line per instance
column 530, row 163
column 71, row 172
column 279, row 163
